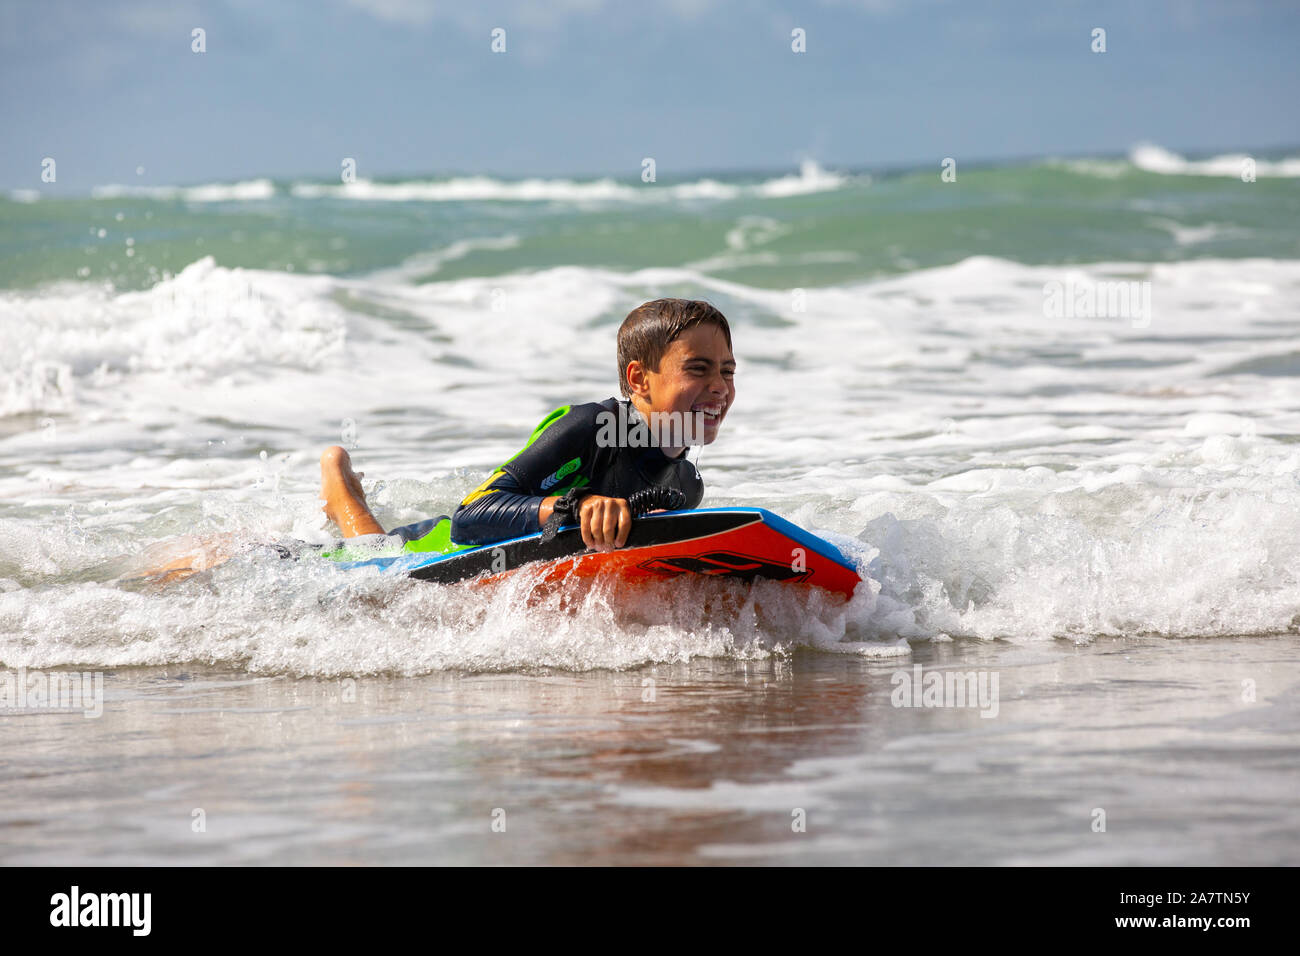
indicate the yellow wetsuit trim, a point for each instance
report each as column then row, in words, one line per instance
column 485, row 488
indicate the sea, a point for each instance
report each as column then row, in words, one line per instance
column 1050, row 407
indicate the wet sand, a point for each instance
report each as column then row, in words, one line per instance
column 715, row 762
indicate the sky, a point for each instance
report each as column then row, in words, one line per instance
column 287, row 89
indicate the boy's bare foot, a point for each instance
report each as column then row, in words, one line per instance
column 345, row 502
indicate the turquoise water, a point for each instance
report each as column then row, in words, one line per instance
column 835, row 228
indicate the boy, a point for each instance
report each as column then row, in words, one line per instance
column 676, row 373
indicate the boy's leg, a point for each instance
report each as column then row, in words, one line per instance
column 345, row 502
column 345, row 505
column 178, row 558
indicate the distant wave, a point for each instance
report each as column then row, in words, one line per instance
column 811, row 178
column 251, row 189
column 1156, row 159
column 425, row 264
column 466, row 188
column 1194, row 235
column 1150, row 158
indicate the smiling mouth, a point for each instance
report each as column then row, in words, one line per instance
column 712, row 413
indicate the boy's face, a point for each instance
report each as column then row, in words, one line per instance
column 696, row 374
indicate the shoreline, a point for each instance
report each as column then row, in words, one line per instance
column 712, row 769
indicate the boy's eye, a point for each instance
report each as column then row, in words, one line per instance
column 727, row 373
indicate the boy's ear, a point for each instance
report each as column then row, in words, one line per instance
column 637, row 380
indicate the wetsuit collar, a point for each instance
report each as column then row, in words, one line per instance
column 634, row 415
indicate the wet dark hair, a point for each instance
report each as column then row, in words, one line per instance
column 651, row 327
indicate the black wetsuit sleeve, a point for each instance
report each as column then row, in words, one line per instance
column 506, row 505
column 504, row 511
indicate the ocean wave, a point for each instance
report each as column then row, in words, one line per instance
column 468, row 188
column 1002, row 473
column 424, row 264
column 1150, row 158
column 1156, row 159
column 204, row 324
column 1195, row 235
column 246, row 191
column 811, row 178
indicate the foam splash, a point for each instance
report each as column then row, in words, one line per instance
column 1074, row 564
column 308, row 618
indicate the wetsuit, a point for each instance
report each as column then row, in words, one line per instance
column 571, row 448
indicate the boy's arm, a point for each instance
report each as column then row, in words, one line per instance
column 605, row 522
column 497, row 509
column 518, row 497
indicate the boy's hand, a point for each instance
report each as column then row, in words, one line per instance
column 606, row 522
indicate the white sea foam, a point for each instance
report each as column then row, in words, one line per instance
column 245, row 191
column 1156, row 159
column 1151, row 158
column 811, row 178
column 468, row 188
column 998, row 473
